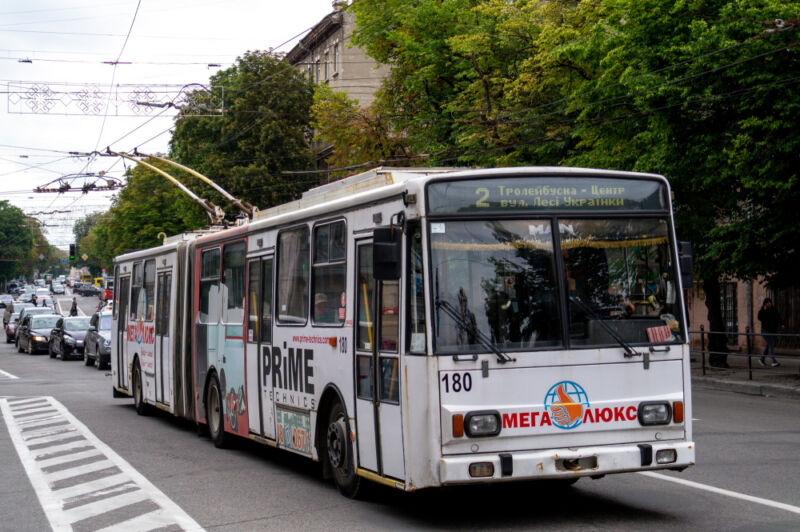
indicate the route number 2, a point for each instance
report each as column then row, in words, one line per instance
column 484, row 194
column 458, row 382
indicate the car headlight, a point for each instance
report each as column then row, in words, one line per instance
column 655, row 413
column 39, row 339
column 479, row 424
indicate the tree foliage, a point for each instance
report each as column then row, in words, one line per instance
column 257, row 125
column 16, row 240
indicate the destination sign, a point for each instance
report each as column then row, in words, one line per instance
column 534, row 193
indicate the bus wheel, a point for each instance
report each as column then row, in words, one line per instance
column 138, row 393
column 338, row 453
column 215, row 415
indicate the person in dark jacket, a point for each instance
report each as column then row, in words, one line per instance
column 73, row 311
column 770, row 323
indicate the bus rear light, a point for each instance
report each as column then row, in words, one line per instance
column 481, row 469
column 458, row 425
column 666, row 456
column 677, row 411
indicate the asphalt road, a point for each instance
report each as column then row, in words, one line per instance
column 747, row 475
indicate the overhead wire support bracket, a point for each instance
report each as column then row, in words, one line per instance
column 244, row 206
column 215, row 214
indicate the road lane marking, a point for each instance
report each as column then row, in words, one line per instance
column 81, row 483
column 720, row 491
column 8, row 375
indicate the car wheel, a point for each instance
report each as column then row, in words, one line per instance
column 215, row 414
column 97, row 363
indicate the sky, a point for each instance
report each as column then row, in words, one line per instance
column 72, row 72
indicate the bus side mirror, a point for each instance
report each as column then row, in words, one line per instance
column 686, row 264
column 386, row 247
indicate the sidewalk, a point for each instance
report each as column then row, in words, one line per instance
column 783, row 381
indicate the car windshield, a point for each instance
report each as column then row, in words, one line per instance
column 76, row 324
column 502, row 279
column 44, row 322
column 105, row 323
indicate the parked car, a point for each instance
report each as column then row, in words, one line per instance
column 5, row 300
column 16, row 306
column 34, row 333
column 97, row 344
column 11, row 327
column 66, row 338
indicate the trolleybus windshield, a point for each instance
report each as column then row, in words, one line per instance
column 536, row 282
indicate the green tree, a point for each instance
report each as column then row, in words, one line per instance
column 16, row 241
column 358, row 135
column 260, row 126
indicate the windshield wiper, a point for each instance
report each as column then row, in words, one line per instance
column 629, row 351
column 468, row 328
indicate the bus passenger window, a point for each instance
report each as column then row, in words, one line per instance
column 364, row 377
column 329, row 272
column 293, row 251
column 266, row 301
column 149, row 289
column 390, row 380
column 136, row 287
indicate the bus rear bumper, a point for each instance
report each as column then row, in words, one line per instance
column 565, row 463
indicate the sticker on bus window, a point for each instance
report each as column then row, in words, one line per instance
column 249, row 335
column 341, row 313
column 437, row 228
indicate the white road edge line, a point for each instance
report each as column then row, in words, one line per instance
column 52, row 503
column 720, row 491
column 7, row 374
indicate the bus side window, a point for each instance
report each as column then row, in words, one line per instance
column 328, row 277
column 293, row 256
column 266, row 301
column 136, row 287
column 253, row 303
column 149, row 289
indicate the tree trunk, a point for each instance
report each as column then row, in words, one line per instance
column 717, row 343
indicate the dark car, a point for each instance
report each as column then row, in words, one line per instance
column 34, row 333
column 97, row 344
column 66, row 338
column 11, row 327
column 30, row 311
column 89, row 289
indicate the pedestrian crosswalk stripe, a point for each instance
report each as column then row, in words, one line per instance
column 7, row 375
column 81, row 483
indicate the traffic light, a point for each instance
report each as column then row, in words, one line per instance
column 72, row 252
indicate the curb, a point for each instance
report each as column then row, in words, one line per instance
column 749, row 388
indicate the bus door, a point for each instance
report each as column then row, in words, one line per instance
column 377, row 370
column 163, row 344
column 123, row 294
column 259, row 350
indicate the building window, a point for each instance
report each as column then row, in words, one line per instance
column 311, row 68
column 729, row 314
column 327, row 60
column 336, row 57
column 316, row 68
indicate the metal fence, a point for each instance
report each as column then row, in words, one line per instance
column 781, row 340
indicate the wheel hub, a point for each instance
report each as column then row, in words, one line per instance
column 336, row 443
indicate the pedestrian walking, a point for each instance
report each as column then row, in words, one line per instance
column 73, row 311
column 34, row 299
column 770, row 323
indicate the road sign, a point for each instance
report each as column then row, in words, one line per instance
column 64, row 260
column 84, row 256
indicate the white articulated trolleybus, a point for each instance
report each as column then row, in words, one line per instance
column 426, row 327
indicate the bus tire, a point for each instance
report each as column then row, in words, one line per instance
column 138, row 391
column 339, row 453
column 215, row 414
